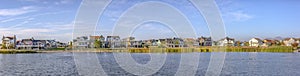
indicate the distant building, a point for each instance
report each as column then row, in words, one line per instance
column 113, row 42
column 99, row 40
column 36, row 44
column 81, row 42
column 190, row 42
column 102, row 41
column 41, row 44
column 60, row 44
column 25, row 44
column 289, row 41
column 128, row 42
column 255, row 42
column 238, row 43
column 174, row 42
column 204, row 41
column 140, row 43
column 268, row 42
column 9, row 42
column 226, row 42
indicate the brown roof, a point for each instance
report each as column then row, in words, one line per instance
column 268, row 40
column 9, row 37
column 95, row 37
column 297, row 39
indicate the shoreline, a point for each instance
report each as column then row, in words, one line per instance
column 275, row 49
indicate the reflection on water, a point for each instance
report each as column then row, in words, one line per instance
column 235, row 64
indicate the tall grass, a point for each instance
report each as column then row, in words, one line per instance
column 213, row 49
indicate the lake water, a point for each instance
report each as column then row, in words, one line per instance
column 236, row 64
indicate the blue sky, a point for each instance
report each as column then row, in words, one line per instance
column 244, row 19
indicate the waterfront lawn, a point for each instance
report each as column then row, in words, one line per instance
column 57, row 48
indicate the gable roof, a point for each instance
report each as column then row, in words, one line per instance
column 287, row 39
column 227, row 38
column 257, row 39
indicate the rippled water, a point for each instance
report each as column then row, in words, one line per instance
column 252, row 64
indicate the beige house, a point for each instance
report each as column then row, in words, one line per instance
column 289, row 41
column 9, row 42
column 268, row 42
column 128, row 42
column 189, row 42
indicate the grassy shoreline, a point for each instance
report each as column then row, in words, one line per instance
column 17, row 51
column 277, row 49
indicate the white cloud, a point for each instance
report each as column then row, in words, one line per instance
column 241, row 16
column 17, row 11
column 63, row 2
column 232, row 11
column 28, row 17
column 56, row 2
column 59, row 26
column 36, row 30
column 60, row 32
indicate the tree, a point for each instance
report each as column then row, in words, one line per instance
column 177, row 43
column 282, row 43
column 3, row 46
column 246, row 44
column 97, row 43
column 238, row 43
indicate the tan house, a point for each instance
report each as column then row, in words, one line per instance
column 268, row 42
column 128, row 42
column 289, row 41
column 189, row 42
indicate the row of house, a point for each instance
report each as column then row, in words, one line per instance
column 269, row 42
column 31, row 43
column 117, row 42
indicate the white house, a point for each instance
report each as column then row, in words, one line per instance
column 226, row 42
column 81, row 42
column 36, row 44
column 113, row 42
column 255, row 42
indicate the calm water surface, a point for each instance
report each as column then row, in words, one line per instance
column 236, row 64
